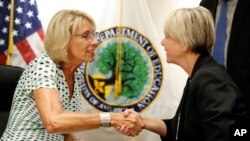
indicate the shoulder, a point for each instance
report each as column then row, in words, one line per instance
column 42, row 66
column 213, row 72
column 41, row 72
column 42, row 62
column 213, row 78
column 43, row 59
column 212, row 86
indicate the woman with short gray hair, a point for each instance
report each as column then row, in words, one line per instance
column 211, row 104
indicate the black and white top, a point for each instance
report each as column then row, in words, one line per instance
column 24, row 122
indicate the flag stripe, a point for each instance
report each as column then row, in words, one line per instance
column 17, row 60
column 26, row 50
column 35, row 42
column 41, row 33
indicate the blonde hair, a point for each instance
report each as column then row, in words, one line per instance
column 59, row 32
column 193, row 27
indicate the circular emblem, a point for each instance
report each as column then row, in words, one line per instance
column 126, row 73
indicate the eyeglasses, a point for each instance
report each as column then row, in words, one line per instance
column 88, row 36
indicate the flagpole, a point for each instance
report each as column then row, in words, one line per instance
column 118, row 79
column 10, row 50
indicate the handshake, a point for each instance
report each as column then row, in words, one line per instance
column 131, row 123
column 128, row 123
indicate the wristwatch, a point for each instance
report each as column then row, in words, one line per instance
column 105, row 119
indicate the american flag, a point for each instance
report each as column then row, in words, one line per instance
column 28, row 35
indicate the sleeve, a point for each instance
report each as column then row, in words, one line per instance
column 170, row 130
column 40, row 74
column 217, row 102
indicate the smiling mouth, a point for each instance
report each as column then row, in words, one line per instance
column 91, row 51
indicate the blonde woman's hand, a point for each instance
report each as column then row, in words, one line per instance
column 136, row 123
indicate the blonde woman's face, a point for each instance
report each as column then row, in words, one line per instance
column 82, row 44
column 174, row 50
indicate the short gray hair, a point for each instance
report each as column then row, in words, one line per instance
column 193, row 27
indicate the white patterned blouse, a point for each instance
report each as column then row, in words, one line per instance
column 24, row 122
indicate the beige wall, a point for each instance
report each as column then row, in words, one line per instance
column 161, row 8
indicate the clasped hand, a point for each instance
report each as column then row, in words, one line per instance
column 132, row 125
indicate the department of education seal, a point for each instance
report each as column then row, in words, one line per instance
column 126, row 73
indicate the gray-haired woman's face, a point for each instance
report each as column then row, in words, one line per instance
column 174, row 50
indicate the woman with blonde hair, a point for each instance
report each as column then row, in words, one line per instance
column 47, row 99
